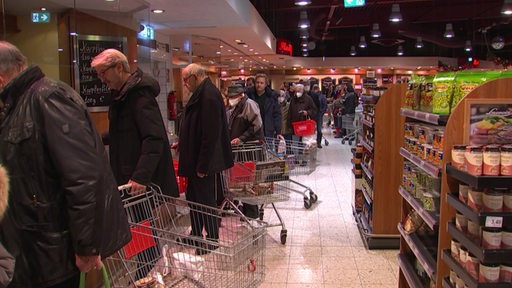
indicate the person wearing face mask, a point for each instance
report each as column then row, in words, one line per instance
column 286, row 129
column 244, row 125
column 302, row 107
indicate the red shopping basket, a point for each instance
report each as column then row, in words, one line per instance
column 304, row 128
column 142, row 239
column 182, row 181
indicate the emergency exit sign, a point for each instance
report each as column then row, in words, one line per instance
column 41, row 17
column 354, row 3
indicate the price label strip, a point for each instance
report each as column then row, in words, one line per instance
column 493, row 221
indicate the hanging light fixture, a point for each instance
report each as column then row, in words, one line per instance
column 304, row 21
column 400, row 51
column 507, row 7
column 353, row 51
column 395, row 15
column 419, row 43
column 304, row 43
column 375, row 33
column 305, row 54
column 362, row 42
column 302, row 2
column 304, row 49
column 448, row 33
column 304, row 34
column 468, row 46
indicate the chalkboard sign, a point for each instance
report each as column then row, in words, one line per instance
column 95, row 94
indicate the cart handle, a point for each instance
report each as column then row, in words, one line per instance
column 251, row 267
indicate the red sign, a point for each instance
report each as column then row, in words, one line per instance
column 284, row 47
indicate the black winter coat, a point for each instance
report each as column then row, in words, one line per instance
column 63, row 198
column 139, row 147
column 204, row 138
column 299, row 104
column 271, row 113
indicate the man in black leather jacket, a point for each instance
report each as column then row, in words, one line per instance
column 64, row 210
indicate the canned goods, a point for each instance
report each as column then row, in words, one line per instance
column 474, row 159
column 492, row 200
column 506, row 160
column 458, row 160
column 475, row 198
column 489, row 273
column 463, row 193
column 491, row 238
column 491, row 160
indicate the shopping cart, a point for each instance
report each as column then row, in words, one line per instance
column 256, row 179
column 300, row 159
column 163, row 254
column 348, row 123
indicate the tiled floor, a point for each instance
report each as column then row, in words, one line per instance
column 324, row 248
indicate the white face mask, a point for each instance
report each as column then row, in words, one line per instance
column 233, row 102
column 280, row 99
column 298, row 94
column 306, row 88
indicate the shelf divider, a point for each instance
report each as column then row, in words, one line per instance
column 425, row 116
column 429, row 217
column 479, row 181
column 426, row 166
column 420, row 251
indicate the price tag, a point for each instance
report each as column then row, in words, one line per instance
column 493, row 221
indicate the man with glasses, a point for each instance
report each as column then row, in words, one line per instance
column 205, row 151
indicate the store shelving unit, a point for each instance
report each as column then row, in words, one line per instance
column 378, row 227
column 450, row 179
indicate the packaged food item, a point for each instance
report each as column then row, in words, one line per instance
column 474, row 231
column 506, row 273
column 506, row 238
column 491, row 238
column 453, row 277
column 463, row 256
column 474, row 159
column 443, row 91
column 463, row 193
column 492, row 200
column 491, row 160
column 458, row 158
column 472, row 265
column 427, row 94
column 455, row 249
column 507, row 201
column 475, row 198
column 461, row 222
column 506, row 160
column 467, row 81
column 489, row 273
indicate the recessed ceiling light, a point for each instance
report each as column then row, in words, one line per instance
column 238, row 41
column 158, row 11
column 43, row 9
column 302, row 2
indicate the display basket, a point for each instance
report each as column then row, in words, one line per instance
column 304, row 128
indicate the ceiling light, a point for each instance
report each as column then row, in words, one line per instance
column 305, row 54
column 43, row 9
column 448, row 33
column 302, row 2
column 304, row 43
column 353, row 51
column 333, row 70
column 467, row 46
column 419, row 42
column 158, row 11
column 507, row 7
column 400, row 51
column 395, row 15
column 375, row 33
column 304, row 34
column 238, row 41
column 304, row 49
column 362, row 42
column 303, row 22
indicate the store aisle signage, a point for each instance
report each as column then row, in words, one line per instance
column 41, row 17
column 354, row 3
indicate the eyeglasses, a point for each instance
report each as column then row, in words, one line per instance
column 102, row 73
column 187, row 78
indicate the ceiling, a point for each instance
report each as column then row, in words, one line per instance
column 210, row 28
column 334, row 28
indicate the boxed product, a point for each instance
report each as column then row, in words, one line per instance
column 443, row 91
column 466, row 81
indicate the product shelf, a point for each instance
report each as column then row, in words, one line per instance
column 491, row 256
column 367, row 123
column 466, row 277
column 479, row 181
column 408, row 271
column 420, row 251
column 431, row 218
column 484, row 219
column 426, row 166
column 366, row 193
column 425, row 116
column 366, row 145
column 367, row 171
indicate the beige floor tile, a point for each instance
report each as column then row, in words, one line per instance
column 300, row 274
column 338, row 263
column 341, row 276
column 276, row 275
column 377, row 276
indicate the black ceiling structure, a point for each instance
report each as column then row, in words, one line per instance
column 334, row 28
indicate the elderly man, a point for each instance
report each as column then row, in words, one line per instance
column 302, row 106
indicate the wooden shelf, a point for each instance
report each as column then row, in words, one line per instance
column 367, row 123
column 420, row 251
column 424, row 165
column 466, row 277
column 479, row 181
column 491, row 256
column 366, row 145
column 431, row 218
column 408, row 271
column 484, row 219
column 425, row 116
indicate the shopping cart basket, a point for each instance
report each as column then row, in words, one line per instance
column 348, row 123
column 300, row 159
column 162, row 252
column 257, row 180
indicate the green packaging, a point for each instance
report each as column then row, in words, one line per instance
column 427, row 93
column 506, row 74
column 443, row 92
column 412, row 95
column 466, row 81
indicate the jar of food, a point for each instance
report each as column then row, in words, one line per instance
column 439, row 158
column 472, row 265
column 474, row 159
column 491, row 238
column 475, row 196
column 507, row 201
column 506, row 273
column 453, row 277
column 455, row 249
column 463, row 193
column 506, row 238
column 427, row 148
column 463, row 256
column 461, row 222
column 492, row 200
column 440, row 140
column 474, row 231
column 491, row 160
column 506, row 160
column 489, row 273
column 458, row 160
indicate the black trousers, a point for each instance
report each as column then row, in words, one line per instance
column 204, row 191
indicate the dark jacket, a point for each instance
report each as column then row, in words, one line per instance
column 270, row 114
column 204, row 138
column 320, row 102
column 244, row 121
column 139, row 147
column 350, row 103
column 299, row 104
column 64, row 199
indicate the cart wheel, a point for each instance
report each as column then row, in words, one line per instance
column 283, row 236
column 326, row 142
column 261, row 215
column 313, row 197
column 349, row 142
column 307, row 203
column 343, row 141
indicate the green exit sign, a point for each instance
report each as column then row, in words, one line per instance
column 41, row 17
column 354, row 3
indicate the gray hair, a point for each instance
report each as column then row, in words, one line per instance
column 111, row 57
column 299, row 86
column 11, row 58
column 194, row 69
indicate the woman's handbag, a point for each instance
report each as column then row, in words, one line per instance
column 106, row 280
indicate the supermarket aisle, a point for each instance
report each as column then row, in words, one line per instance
column 324, row 248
